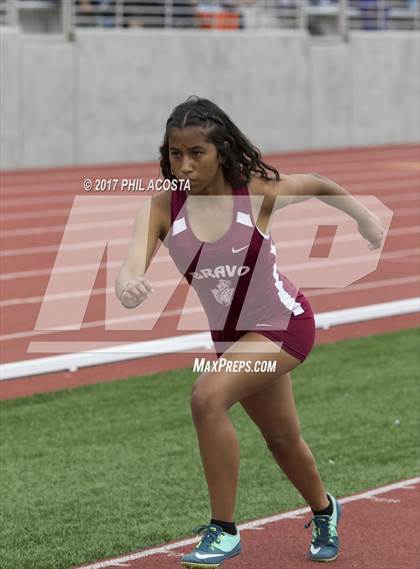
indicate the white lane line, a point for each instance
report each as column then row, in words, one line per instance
column 401, row 253
column 311, row 293
column 101, row 323
column 68, row 227
column 88, row 210
column 50, row 187
column 59, row 271
column 55, row 297
column 256, row 524
column 378, row 188
column 41, row 200
column 385, row 500
column 77, row 246
column 361, row 286
column 296, row 243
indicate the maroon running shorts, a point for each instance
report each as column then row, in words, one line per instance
column 297, row 338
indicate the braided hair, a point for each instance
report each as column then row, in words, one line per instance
column 239, row 157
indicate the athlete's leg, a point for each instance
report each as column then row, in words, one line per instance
column 274, row 412
column 212, row 396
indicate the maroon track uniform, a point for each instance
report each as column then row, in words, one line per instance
column 237, row 280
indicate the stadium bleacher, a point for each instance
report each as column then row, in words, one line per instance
column 319, row 17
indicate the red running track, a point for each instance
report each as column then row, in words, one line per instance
column 379, row 529
column 36, row 206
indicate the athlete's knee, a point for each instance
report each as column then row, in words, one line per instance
column 284, row 444
column 206, row 402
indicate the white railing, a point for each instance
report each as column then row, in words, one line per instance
column 198, row 342
column 320, row 17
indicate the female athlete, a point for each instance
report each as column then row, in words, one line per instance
column 217, row 233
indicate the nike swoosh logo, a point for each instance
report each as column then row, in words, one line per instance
column 315, row 550
column 208, row 555
column 240, row 249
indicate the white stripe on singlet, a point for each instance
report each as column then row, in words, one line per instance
column 178, row 226
column 285, row 298
column 244, row 218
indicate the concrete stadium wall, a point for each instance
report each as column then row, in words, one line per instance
column 47, row 103
column 9, row 99
column 105, row 96
column 385, row 88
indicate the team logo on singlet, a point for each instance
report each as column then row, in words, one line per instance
column 223, row 293
column 221, row 272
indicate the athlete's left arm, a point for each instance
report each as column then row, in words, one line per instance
column 296, row 188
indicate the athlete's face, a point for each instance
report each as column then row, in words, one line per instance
column 193, row 158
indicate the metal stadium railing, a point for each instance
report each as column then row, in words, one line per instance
column 3, row 13
column 320, row 17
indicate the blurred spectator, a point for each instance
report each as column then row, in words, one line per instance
column 323, row 2
column 255, row 15
column 374, row 14
column 101, row 12
column 218, row 14
column 234, row 14
column 144, row 14
column 206, row 13
column 185, row 14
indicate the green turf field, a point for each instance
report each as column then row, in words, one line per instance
column 106, row 469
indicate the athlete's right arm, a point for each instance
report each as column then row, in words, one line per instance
column 131, row 286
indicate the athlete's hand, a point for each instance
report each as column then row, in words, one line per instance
column 370, row 227
column 136, row 291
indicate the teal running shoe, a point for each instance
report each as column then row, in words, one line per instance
column 325, row 542
column 214, row 548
